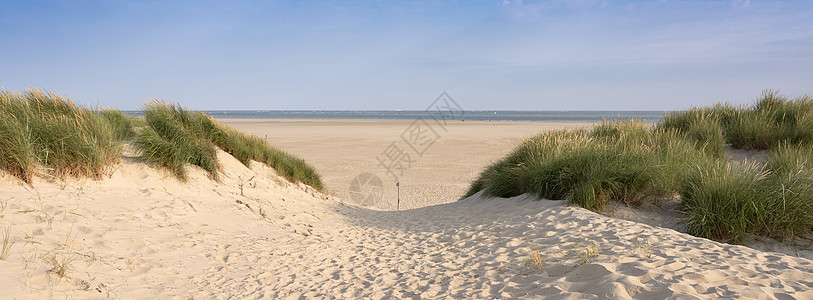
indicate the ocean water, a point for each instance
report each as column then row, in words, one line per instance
column 475, row 115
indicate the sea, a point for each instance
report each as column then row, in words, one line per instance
column 472, row 115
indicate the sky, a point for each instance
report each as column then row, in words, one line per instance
column 367, row 55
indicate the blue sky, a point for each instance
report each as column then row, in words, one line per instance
column 515, row 55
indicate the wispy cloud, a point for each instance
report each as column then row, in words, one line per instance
column 323, row 54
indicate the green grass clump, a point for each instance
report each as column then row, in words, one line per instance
column 753, row 131
column 247, row 148
column 705, row 126
column 682, row 155
column 788, row 209
column 787, row 159
column 38, row 127
column 622, row 161
column 16, row 149
column 724, row 201
column 684, row 120
column 121, row 124
column 174, row 136
column 719, row 199
column 771, row 121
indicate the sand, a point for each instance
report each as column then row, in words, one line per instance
column 344, row 149
column 140, row 233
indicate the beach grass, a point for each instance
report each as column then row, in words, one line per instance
column 623, row 161
column 44, row 128
column 772, row 120
column 175, row 136
column 123, row 126
column 248, row 147
column 680, row 157
column 8, row 242
column 717, row 199
column 724, row 201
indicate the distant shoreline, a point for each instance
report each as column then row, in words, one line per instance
column 472, row 115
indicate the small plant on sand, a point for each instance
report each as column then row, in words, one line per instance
column 3, row 206
column 7, row 243
column 588, row 253
column 60, row 266
column 68, row 238
column 243, row 182
column 534, row 260
column 29, row 238
column 643, row 247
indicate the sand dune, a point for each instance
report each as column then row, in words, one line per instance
column 141, row 233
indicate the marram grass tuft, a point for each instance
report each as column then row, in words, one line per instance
column 175, row 136
column 682, row 155
column 38, row 127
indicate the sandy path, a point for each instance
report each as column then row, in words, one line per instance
column 481, row 249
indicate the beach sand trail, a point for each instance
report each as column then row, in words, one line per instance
column 141, row 233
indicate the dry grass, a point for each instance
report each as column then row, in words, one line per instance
column 7, row 243
column 534, row 261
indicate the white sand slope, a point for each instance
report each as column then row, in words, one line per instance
column 141, row 233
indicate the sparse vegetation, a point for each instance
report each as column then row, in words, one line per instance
column 588, row 253
column 39, row 128
column 7, row 243
column 534, row 261
column 682, row 155
column 642, row 247
column 60, row 266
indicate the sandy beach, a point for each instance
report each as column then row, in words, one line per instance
column 343, row 149
column 140, row 233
